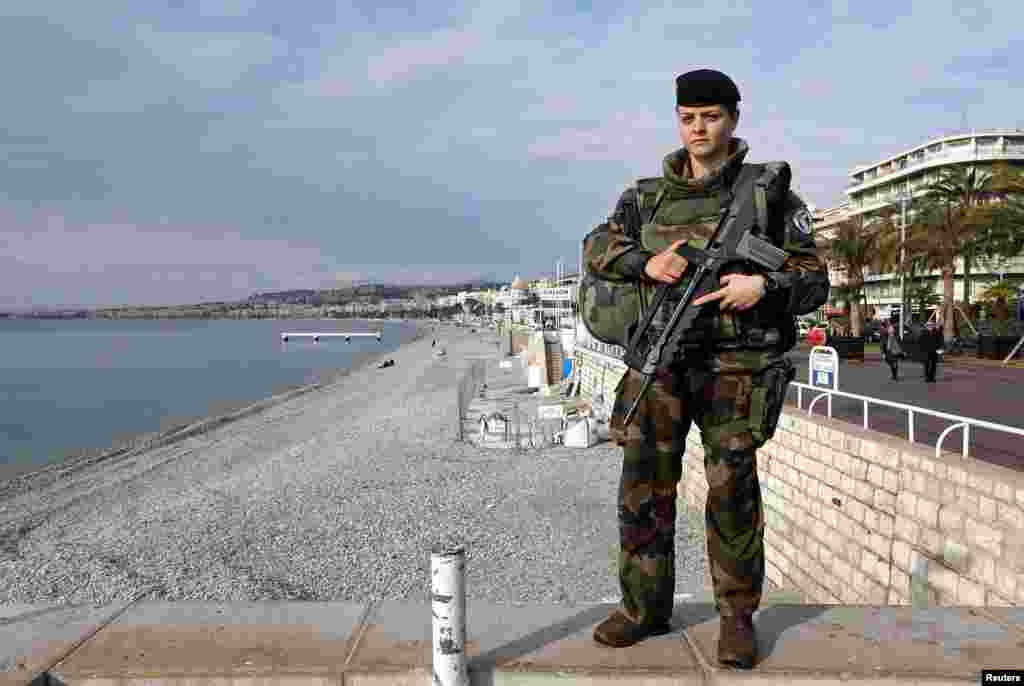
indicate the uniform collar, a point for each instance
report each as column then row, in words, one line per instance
column 676, row 168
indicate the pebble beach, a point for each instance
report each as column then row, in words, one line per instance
column 335, row 492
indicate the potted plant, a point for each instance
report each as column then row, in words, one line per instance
column 847, row 346
column 997, row 344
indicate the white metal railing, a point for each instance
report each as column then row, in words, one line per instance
column 964, row 423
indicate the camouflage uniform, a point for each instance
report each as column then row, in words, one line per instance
column 725, row 385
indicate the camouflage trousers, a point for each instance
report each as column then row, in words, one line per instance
column 728, row 409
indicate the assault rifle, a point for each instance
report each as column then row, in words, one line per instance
column 732, row 245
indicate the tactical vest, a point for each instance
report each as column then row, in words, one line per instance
column 610, row 310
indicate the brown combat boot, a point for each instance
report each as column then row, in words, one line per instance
column 618, row 631
column 737, row 641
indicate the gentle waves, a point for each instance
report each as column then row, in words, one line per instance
column 75, row 386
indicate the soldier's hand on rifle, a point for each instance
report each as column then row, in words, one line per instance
column 667, row 266
column 740, row 292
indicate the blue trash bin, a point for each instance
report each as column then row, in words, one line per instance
column 567, row 369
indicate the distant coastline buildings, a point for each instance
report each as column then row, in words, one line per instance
column 876, row 186
column 552, row 302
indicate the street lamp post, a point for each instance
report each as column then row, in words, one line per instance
column 558, row 291
column 904, row 198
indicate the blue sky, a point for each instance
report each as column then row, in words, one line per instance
column 178, row 151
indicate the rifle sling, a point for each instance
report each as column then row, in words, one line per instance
column 733, row 196
column 645, row 217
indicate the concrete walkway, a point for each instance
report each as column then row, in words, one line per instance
column 389, row 642
column 962, row 360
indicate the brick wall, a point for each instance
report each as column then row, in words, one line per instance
column 858, row 517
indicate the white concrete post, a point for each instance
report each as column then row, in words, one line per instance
column 448, row 607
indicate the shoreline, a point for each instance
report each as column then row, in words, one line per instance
column 334, row 496
column 78, row 460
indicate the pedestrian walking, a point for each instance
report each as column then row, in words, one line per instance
column 930, row 345
column 891, row 349
column 733, row 367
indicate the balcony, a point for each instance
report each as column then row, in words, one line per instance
column 963, row 153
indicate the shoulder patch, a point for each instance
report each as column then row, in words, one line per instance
column 803, row 222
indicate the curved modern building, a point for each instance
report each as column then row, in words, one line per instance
column 875, row 186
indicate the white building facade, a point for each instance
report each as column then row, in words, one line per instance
column 558, row 302
column 513, row 301
column 826, row 222
column 876, row 186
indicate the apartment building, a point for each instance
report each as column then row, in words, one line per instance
column 485, row 297
column 558, row 300
column 397, row 304
column 513, row 299
column 876, row 186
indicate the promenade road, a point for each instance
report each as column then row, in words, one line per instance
column 986, row 393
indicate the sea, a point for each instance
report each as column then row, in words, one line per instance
column 72, row 388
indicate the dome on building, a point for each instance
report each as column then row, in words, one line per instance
column 518, row 284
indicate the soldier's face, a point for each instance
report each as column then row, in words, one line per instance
column 705, row 131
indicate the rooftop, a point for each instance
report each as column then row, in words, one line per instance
column 980, row 133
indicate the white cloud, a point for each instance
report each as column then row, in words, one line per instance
column 215, row 61
column 496, row 136
column 414, row 56
column 51, row 242
column 226, row 8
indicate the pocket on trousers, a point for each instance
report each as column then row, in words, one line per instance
column 767, row 398
column 759, row 414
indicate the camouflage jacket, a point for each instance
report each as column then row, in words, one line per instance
column 688, row 208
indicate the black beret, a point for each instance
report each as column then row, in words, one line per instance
column 705, row 87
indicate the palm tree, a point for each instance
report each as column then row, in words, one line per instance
column 995, row 298
column 924, row 297
column 857, row 247
column 1004, row 236
column 949, row 220
column 1008, row 180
